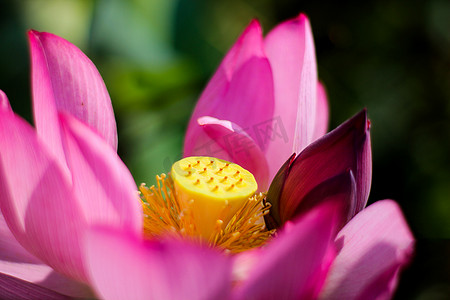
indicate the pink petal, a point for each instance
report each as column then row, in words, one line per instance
column 44, row 103
column 346, row 147
column 17, row 262
column 45, row 213
column 290, row 49
column 36, row 198
column 14, row 288
column 248, row 100
column 383, row 286
column 244, row 263
column 10, row 249
column 248, row 45
column 235, row 145
column 322, row 112
column 105, row 190
column 375, row 244
column 64, row 79
column 156, row 270
column 44, row 276
column 241, row 90
column 4, row 103
column 295, row 263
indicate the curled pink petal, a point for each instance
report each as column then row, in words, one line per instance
column 240, row 91
column 290, row 50
column 236, row 146
column 247, row 101
column 322, row 112
column 294, row 265
column 4, row 103
column 346, row 147
column 64, row 79
column 104, row 188
column 374, row 245
column 154, row 270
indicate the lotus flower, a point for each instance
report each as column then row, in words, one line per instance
column 263, row 103
column 77, row 213
column 63, row 176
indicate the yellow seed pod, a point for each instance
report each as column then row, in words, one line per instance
column 213, row 188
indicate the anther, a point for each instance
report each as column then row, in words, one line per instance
column 210, row 179
column 219, row 224
column 197, row 181
column 239, row 181
column 220, row 170
column 237, row 173
column 225, row 178
column 215, row 188
column 204, row 170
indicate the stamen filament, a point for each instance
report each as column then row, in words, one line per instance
column 164, row 214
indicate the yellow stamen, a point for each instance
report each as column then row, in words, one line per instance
column 204, row 212
column 246, row 230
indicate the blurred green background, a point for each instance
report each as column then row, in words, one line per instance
column 392, row 57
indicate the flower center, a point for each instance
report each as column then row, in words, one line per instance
column 207, row 199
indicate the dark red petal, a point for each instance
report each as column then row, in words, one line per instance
column 340, row 188
column 273, row 219
column 345, row 148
